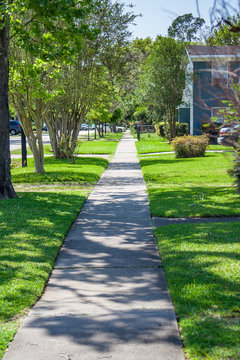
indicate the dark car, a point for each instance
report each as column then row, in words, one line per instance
column 14, row 127
column 229, row 135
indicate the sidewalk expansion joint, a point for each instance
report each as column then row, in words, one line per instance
column 109, row 267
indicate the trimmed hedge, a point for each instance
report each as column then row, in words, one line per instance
column 190, row 146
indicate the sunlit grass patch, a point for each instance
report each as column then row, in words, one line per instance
column 82, row 171
column 201, row 262
column 190, row 187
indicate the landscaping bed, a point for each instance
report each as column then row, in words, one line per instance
column 32, row 229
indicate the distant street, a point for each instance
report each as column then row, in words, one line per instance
column 15, row 141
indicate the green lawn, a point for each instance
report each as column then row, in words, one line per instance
column 32, row 228
column 100, row 146
column 202, row 265
column 190, row 187
column 47, row 150
column 83, row 171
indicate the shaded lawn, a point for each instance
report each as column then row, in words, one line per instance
column 32, row 229
column 190, row 187
column 83, row 171
column 201, row 262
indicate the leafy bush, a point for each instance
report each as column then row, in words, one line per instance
column 190, row 146
column 160, row 129
column 211, row 130
column 182, row 129
column 235, row 172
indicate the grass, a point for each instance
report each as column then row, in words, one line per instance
column 201, row 262
column 32, row 229
column 100, row 146
column 190, row 187
column 47, row 150
column 83, row 171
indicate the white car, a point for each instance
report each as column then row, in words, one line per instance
column 120, row 129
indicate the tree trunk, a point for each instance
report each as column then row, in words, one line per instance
column 38, row 154
column 6, row 188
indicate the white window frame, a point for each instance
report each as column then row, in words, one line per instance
column 220, row 72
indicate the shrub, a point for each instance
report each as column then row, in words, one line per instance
column 211, row 130
column 160, row 129
column 190, row 146
column 182, row 129
column 235, row 172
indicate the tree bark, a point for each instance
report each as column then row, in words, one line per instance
column 6, row 188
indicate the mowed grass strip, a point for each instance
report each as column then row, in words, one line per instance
column 201, row 262
column 191, row 187
column 32, row 229
column 82, row 171
column 101, row 146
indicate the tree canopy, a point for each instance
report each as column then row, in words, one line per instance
column 186, row 28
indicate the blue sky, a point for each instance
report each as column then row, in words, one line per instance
column 159, row 14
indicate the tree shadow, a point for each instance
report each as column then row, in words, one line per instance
column 194, row 201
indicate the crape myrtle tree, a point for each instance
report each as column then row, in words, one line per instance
column 89, row 80
column 25, row 19
column 163, row 80
column 31, row 90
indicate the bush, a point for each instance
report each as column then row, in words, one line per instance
column 190, row 146
column 182, row 129
column 235, row 172
column 211, row 130
column 160, row 129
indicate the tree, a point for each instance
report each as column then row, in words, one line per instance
column 39, row 14
column 226, row 32
column 6, row 188
column 163, row 79
column 89, row 80
column 185, row 28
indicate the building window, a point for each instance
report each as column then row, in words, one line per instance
column 220, row 72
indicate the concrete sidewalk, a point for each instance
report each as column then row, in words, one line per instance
column 107, row 297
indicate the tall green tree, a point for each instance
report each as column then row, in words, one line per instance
column 37, row 27
column 186, row 28
column 163, row 79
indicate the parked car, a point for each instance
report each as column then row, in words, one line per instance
column 14, row 127
column 120, row 128
column 44, row 127
column 229, row 135
column 84, row 126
